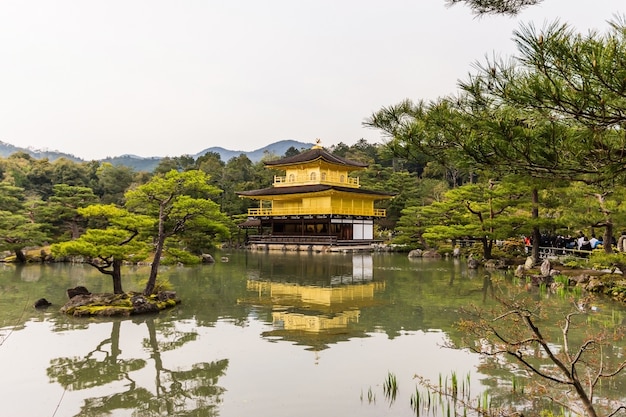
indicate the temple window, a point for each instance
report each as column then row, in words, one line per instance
column 292, row 178
column 313, row 176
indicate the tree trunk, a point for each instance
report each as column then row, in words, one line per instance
column 158, row 251
column 156, row 355
column 20, row 256
column 117, row 277
column 487, row 246
column 584, row 398
column 154, row 269
column 115, row 342
column 536, row 234
column 74, row 230
column 607, row 239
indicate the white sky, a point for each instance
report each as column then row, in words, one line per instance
column 98, row 78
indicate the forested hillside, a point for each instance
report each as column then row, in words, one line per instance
column 40, row 198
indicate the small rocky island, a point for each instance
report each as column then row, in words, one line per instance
column 83, row 303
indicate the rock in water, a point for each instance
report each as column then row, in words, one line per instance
column 207, row 258
column 42, row 303
column 530, row 262
column 80, row 290
column 472, row 263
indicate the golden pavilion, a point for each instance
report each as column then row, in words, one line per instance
column 316, row 202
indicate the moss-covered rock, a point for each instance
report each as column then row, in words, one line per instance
column 126, row 304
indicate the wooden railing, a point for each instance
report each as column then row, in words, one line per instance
column 256, row 212
column 293, row 239
column 549, row 251
column 330, row 240
column 283, row 181
column 544, row 251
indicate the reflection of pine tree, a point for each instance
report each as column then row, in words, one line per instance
column 180, row 392
column 91, row 371
column 190, row 392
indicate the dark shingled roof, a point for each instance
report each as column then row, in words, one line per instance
column 314, row 154
column 310, row 189
column 250, row 223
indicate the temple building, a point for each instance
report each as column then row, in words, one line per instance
column 316, row 202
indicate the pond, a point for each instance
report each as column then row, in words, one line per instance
column 256, row 334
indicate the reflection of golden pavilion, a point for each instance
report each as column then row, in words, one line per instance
column 324, row 303
column 312, row 308
column 298, row 321
column 320, row 296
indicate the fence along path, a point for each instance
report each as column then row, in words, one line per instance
column 544, row 251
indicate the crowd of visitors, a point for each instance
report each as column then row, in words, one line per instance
column 579, row 243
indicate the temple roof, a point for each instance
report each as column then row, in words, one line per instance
column 250, row 223
column 300, row 189
column 313, row 154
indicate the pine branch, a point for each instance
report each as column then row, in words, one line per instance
column 503, row 7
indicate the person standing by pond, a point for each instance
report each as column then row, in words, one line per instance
column 594, row 242
column 583, row 243
column 621, row 242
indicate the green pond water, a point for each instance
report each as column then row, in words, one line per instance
column 256, row 334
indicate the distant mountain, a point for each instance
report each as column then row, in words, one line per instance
column 139, row 163
column 6, row 149
column 277, row 148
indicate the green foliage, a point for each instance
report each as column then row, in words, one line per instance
column 60, row 214
column 211, row 163
column 475, row 250
column 104, row 244
column 578, row 77
column 174, row 255
column 162, row 284
column 112, row 182
column 591, row 209
column 484, row 211
column 118, row 236
column 406, row 187
column 552, row 115
column 513, row 247
column 575, row 262
column 178, row 202
column 18, row 226
column 176, row 163
column 390, row 387
column 65, row 171
column 17, row 231
column 504, row 7
column 115, row 240
column 445, row 249
column 602, row 260
column 11, row 197
column 410, row 225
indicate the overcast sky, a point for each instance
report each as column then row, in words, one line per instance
column 167, row 78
